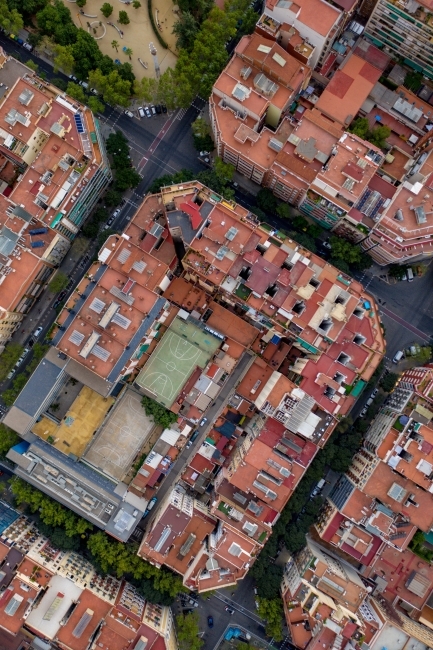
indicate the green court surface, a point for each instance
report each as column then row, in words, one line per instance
column 183, row 347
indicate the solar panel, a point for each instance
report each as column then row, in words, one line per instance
column 79, row 123
column 121, row 321
column 97, row 305
column 123, row 255
column 76, row 337
column 139, row 266
column 101, row 353
column 82, row 623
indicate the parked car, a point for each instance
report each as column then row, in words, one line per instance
column 141, row 111
column 369, row 401
column 203, row 422
column 375, row 392
column 94, row 91
column 11, row 374
column 84, row 84
column 73, row 78
column 158, row 109
column 28, row 47
column 164, row 108
column 116, row 213
column 147, row 111
column 37, row 332
column 153, row 109
column 363, row 412
column 194, row 435
column 188, row 444
column 398, row 356
column 210, row 621
column 230, row 610
column 150, row 505
column 129, row 114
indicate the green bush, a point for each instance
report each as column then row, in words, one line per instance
column 154, row 27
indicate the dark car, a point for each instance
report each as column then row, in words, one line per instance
column 164, row 108
column 210, row 621
column 230, row 610
column 158, row 109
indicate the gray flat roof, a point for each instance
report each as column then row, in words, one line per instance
column 38, row 387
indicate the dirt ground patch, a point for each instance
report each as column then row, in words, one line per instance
column 137, row 35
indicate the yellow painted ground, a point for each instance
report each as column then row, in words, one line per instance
column 87, row 412
column 137, row 35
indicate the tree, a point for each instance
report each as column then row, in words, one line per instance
column 223, row 170
column 107, row 10
column 64, row 59
column 283, row 210
column 306, row 241
column 187, row 628
column 146, row 89
column 32, row 65
column 8, row 358
column 55, row 21
column 123, row 18
column 115, row 45
column 128, row 52
column 8, row 438
column 344, row 250
column 266, row 200
column 86, row 53
column 136, row 4
column 112, row 198
column 340, row 264
column 10, row 19
column 376, row 136
column 95, row 105
column 112, row 87
column 272, row 612
column 159, row 413
column 59, row 282
column 81, row 3
column 76, row 92
column 185, row 29
column 360, row 127
column 388, row 381
column 60, row 83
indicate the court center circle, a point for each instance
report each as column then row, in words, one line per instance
column 171, row 366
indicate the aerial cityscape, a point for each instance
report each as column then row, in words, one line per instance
column 216, row 325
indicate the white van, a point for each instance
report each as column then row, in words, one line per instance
column 398, row 356
column 409, row 274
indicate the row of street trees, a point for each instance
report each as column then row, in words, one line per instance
column 68, row 530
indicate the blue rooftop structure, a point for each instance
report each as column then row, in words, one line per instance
column 7, row 516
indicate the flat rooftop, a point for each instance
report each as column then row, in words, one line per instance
column 78, row 426
column 46, row 617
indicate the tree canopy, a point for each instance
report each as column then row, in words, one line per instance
column 272, row 612
column 159, row 413
column 9, row 357
column 187, row 630
column 8, row 438
column 59, row 282
column 377, row 136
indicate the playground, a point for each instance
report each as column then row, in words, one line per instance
column 129, row 43
column 183, row 347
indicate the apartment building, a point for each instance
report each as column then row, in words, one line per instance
column 53, row 169
column 317, row 22
column 322, row 595
column 404, row 29
column 403, row 233
column 57, row 599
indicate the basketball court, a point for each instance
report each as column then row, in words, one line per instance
column 121, row 437
column 183, row 347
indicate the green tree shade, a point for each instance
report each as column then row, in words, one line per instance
column 306, row 241
column 10, row 19
column 95, row 105
column 64, row 59
column 112, row 198
column 340, row 264
column 115, row 45
column 388, row 381
column 223, row 170
column 198, row 8
column 185, row 30
column 55, row 21
column 8, row 438
column 181, row 176
column 212, row 180
column 112, row 87
column 129, row 53
column 126, row 178
column 60, row 83
column 8, row 358
column 136, row 4
column 159, row 413
column 272, row 612
column 283, row 210
column 86, row 53
column 376, row 136
column 187, row 630
column 123, row 18
column 396, row 271
column 59, row 282
column 266, row 200
column 344, row 250
column 107, row 10
column 81, row 3
column 32, row 65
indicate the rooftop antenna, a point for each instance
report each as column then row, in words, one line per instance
column 154, row 54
